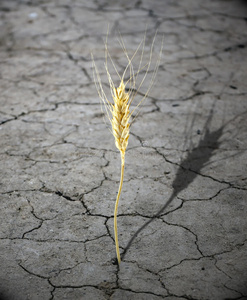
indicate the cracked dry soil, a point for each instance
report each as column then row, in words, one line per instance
column 182, row 214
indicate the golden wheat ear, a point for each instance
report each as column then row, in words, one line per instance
column 118, row 111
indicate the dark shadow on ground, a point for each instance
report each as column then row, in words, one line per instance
column 190, row 166
column 187, row 172
column 3, row 296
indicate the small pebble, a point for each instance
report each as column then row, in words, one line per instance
column 33, row 16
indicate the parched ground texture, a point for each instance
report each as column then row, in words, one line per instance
column 182, row 214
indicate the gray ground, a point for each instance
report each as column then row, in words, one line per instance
column 182, row 214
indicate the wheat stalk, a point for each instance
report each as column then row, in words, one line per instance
column 120, row 129
column 118, row 112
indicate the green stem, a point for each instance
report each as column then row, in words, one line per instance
column 116, row 207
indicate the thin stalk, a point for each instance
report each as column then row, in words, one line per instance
column 116, row 207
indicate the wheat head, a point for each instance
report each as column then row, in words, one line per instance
column 120, row 118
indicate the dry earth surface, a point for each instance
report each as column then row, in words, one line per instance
column 182, row 215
